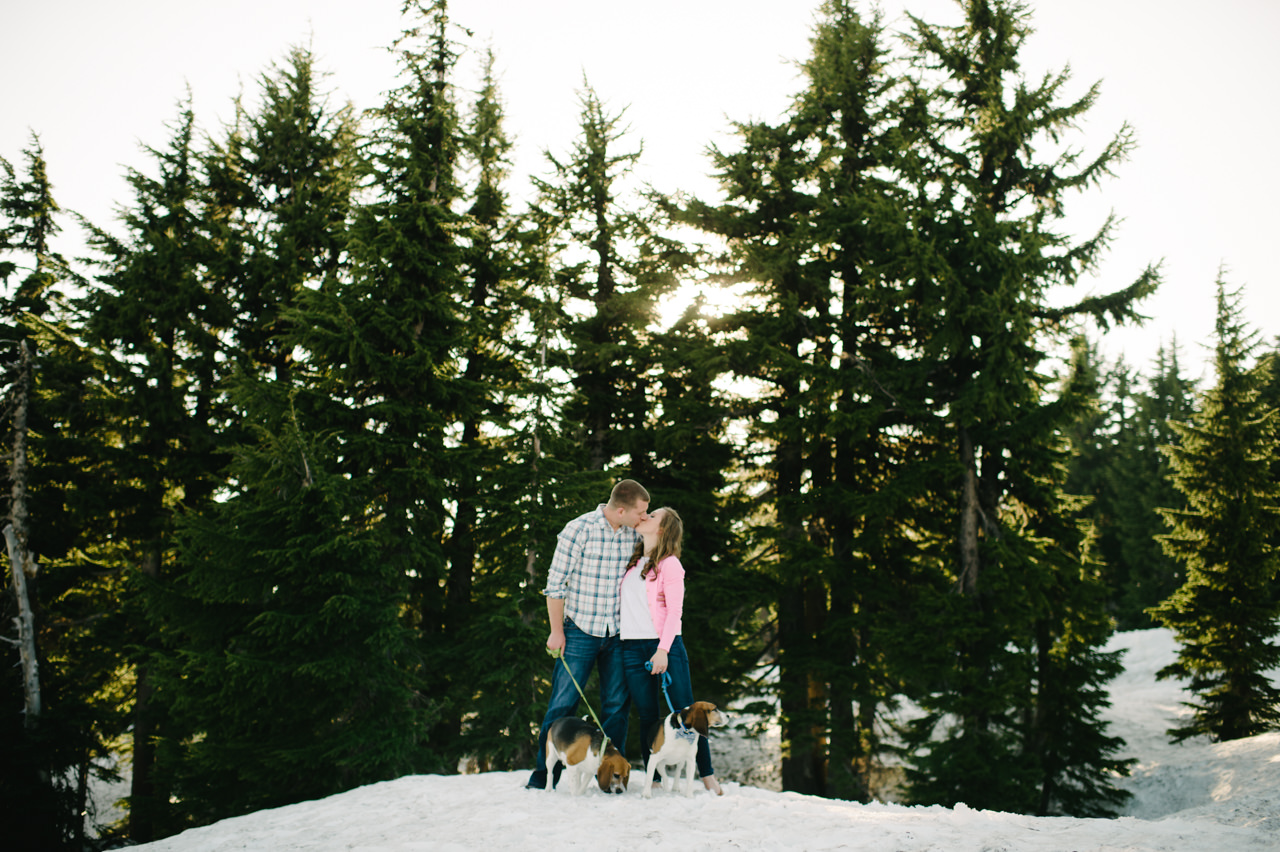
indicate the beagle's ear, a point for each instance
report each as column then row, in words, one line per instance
column 611, row 765
column 696, row 718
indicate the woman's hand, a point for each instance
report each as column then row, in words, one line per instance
column 659, row 661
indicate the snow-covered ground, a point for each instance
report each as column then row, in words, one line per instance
column 1193, row 797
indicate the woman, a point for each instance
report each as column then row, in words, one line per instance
column 652, row 604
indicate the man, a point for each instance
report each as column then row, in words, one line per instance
column 583, row 607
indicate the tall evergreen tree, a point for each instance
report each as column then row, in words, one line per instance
column 638, row 397
column 73, row 496
column 691, row 464
column 381, row 347
column 280, row 189
column 610, row 267
column 297, row 667
column 155, row 325
column 1225, row 614
column 1117, row 462
column 498, row 475
column 864, row 495
column 1023, row 612
column 1094, row 439
column 1141, row 482
column 487, row 363
column 765, row 221
column 817, row 213
column 281, row 186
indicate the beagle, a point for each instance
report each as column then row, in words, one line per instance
column 675, row 744
column 576, row 744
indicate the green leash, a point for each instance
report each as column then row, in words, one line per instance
column 557, row 653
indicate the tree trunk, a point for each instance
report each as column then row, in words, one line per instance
column 793, row 690
column 143, row 807
column 15, row 534
column 21, row 564
column 969, row 516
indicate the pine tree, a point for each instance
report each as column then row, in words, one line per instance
column 276, row 213
column 1076, row 756
column 381, row 346
column 498, row 487
column 154, row 324
column 1094, row 439
column 765, row 221
column 1225, row 614
column 865, row 493
column 74, row 597
column 814, row 216
column 1023, row 608
column 296, row 668
column 1140, row 478
column 281, row 187
column 1117, row 462
column 610, row 269
column 690, row 463
column 639, row 398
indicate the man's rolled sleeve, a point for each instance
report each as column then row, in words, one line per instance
column 562, row 562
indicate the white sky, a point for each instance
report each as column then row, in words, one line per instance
column 1198, row 81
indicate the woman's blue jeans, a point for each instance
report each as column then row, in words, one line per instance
column 581, row 652
column 646, row 692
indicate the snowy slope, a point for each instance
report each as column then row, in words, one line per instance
column 1190, row 798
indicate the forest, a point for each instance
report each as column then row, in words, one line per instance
column 288, row 451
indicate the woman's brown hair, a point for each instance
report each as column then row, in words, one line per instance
column 670, row 536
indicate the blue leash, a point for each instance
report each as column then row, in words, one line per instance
column 665, row 679
column 685, row 733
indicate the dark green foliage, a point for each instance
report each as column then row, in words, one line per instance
column 1225, row 613
column 295, row 664
column 69, row 499
column 810, row 217
column 154, row 322
column 277, row 196
column 899, row 341
column 382, row 342
column 303, row 445
column 281, row 186
column 503, row 469
column 1145, row 473
column 54, row 725
column 1027, row 615
column 689, row 465
column 1079, row 760
column 1117, row 462
column 27, row 231
column 608, row 269
column 639, row 399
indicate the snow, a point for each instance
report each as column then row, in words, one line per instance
column 1187, row 798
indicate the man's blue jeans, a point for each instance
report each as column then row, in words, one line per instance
column 581, row 652
column 646, row 692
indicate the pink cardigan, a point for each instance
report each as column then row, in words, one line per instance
column 665, row 585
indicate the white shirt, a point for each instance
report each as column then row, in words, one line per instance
column 637, row 621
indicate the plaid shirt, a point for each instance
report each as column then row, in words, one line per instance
column 587, row 568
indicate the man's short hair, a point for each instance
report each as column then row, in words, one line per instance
column 628, row 493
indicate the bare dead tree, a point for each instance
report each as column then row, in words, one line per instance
column 22, row 565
